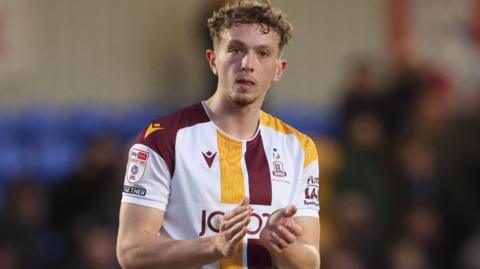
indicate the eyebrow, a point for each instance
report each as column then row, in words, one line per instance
column 238, row 42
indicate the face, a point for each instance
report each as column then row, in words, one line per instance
column 246, row 61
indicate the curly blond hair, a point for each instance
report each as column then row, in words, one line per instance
column 250, row 11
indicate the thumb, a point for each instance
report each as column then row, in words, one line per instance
column 290, row 211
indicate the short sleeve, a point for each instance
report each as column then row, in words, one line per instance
column 147, row 178
column 306, row 200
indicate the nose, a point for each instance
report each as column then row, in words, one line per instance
column 247, row 62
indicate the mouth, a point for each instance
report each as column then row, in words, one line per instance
column 245, row 82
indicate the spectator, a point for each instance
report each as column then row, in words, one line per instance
column 26, row 237
column 87, row 193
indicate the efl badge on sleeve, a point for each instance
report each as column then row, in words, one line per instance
column 137, row 161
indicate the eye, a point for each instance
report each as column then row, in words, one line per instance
column 264, row 53
column 234, row 50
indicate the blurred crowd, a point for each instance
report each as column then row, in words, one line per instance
column 399, row 185
column 71, row 223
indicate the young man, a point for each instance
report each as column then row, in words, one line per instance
column 222, row 184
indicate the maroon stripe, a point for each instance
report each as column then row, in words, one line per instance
column 260, row 185
column 257, row 256
column 163, row 141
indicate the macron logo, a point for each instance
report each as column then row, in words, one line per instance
column 153, row 127
column 209, row 157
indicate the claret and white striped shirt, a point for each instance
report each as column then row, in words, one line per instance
column 185, row 166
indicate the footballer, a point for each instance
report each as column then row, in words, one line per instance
column 221, row 183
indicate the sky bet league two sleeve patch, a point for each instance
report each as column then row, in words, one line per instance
column 137, row 161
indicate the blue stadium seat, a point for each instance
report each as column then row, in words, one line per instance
column 52, row 159
column 11, row 162
column 129, row 123
column 87, row 122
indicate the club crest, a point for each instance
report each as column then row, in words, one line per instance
column 278, row 170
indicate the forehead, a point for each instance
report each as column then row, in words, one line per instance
column 250, row 34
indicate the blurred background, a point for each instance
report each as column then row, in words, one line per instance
column 389, row 90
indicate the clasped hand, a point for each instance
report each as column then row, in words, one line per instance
column 279, row 232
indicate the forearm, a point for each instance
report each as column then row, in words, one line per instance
column 297, row 255
column 151, row 251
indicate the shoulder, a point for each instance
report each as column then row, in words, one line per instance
column 164, row 129
column 160, row 134
column 280, row 127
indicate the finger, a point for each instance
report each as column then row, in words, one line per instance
column 235, row 211
column 244, row 205
column 290, row 211
column 230, row 233
column 239, row 236
column 286, row 235
column 278, row 241
column 238, row 218
column 294, row 228
column 274, row 246
column 245, row 201
column 275, row 216
column 282, row 213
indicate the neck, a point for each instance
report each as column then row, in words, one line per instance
column 235, row 120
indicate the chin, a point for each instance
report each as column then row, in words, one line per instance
column 243, row 99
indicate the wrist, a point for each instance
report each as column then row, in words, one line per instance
column 212, row 248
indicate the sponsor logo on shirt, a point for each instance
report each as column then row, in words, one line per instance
column 211, row 222
column 311, row 192
column 134, row 190
column 137, row 162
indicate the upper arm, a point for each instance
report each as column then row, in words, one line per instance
column 310, row 236
column 307, row 200
column 137, row 218
column 145, row 196
column 147, row 178
column 311, row 231
column 306, row 197
column 135, row 223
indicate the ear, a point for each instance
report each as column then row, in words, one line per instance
column 210, row 54
column 281, row 66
